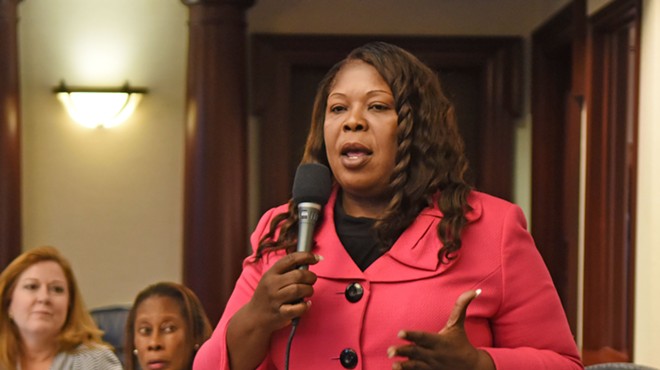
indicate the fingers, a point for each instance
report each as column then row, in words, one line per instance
column 456, row 318
column 292, row 281
column 421, row 339
column 293, row 260
column 411, row 365
column 448, row 349
column 286, row 286
column 457, row 315
column 295, row 291
column 432, row 351
column 293, row 310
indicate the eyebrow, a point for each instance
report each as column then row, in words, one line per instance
column 164, row 317
column 28, row 278
column 369, row 93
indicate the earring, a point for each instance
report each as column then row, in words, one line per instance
column 135, row 352
column 196, row 346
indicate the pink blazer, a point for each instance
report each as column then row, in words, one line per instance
column 518, row 318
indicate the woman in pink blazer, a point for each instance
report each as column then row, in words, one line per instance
column 410, row 267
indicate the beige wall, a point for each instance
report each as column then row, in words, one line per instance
column 111, row 200
column 647, row 304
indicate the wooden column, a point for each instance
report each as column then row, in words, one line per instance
column 10, row 136
column 215, row 209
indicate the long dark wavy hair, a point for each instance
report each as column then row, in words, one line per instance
column 430, row 160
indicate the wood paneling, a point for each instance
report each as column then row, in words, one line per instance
column 557, row 95
column 10, row 136
column 611, row 182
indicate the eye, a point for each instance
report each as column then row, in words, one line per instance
column 31, row 286
column 58, row 289
column 379, row 107
column 144, row 330
column 337, row 108
column 169, row 329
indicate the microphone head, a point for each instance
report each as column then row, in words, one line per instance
column 312, row 183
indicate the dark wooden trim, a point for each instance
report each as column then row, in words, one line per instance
column 245, row 4
column 557, row 95
column 611, row 182
column 215, row 195
column 274, row 56
column 10, row 136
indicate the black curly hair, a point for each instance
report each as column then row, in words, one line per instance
column 430, row 160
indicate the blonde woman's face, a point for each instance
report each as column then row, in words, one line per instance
column 40, row 301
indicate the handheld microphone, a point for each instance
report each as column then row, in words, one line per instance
column 311, row 189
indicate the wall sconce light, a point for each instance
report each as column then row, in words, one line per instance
column 94, row 107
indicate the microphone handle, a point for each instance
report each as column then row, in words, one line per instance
column 308, row 214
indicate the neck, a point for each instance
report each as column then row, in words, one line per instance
column 38, row 351
column 357, row 206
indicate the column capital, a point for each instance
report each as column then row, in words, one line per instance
column 240, row 3
column 6, row 5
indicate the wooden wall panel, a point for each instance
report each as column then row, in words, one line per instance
column 611, row 183
column 10, row 136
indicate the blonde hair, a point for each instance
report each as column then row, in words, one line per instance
column 79, row 327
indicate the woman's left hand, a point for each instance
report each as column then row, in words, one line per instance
column 448, row 349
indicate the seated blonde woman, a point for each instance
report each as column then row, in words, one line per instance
column 43, row 321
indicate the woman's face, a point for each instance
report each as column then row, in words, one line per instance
column 161, row 335
column 360, row 132
column 40, row 301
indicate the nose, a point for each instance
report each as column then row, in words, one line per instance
column 154, row 342
column 355, row 121
column 43, row 294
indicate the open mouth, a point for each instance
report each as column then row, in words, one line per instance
column 355, row 150
column 157, row 364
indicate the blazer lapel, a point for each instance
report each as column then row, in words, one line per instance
column 413, row 256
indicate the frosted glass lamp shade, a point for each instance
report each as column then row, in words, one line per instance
column 99, row 107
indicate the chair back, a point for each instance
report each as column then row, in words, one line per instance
column 112, row 320
column 618, row 366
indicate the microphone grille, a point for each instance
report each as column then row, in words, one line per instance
column 312, row 183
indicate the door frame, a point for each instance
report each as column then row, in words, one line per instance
column 611, row 182
column 558, row 85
